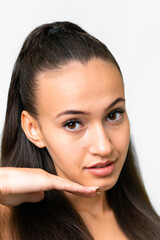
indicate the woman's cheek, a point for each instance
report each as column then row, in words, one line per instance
column 62, row 149
column 120, row 139
column 125, row 138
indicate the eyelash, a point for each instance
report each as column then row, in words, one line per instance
column 76, row 121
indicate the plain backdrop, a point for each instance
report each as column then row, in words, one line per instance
column 131, row 30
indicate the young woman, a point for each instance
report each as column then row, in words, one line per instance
column 68, row 168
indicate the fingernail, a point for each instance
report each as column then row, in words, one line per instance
column 96, row 188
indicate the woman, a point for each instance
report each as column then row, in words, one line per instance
column 66, row 145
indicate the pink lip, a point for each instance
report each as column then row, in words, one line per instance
column 101, row 164
column 101, row 169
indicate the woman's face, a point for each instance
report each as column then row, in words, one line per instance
column 83, row 122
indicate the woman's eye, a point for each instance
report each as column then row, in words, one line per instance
column 115, row 116
column 72, row 125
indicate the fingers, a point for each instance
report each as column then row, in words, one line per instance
column 19, row 185
column 34, row 197
column 72, row 187
column 18, row 180
column 51, row 181
column 17, row 199
column 45, row 181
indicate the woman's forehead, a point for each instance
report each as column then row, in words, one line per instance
column 79, row 83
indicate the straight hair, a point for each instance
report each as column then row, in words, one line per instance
column 51, row 46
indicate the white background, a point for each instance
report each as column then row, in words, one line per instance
column 131, row 30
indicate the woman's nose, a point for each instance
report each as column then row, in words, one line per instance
column 100, row 143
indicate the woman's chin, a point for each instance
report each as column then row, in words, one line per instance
column 104, row 185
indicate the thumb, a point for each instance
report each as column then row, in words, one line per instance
column 34, row 197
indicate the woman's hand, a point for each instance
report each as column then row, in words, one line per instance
column 18, row 185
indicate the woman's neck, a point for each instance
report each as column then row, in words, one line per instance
column 98, row 216
column 95, row 206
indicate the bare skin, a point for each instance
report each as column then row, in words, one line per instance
column 5, row 227
column 100, row 219
column 104, row 227
column 98, row 135
column 18, row 185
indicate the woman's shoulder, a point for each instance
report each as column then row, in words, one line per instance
column 5, row 227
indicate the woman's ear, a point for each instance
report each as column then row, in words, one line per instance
column 31, row 129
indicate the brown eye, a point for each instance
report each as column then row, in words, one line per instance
column 115, row 116
column 72, row 125
column 112, row 116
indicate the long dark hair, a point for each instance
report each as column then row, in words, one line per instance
column 51, row 46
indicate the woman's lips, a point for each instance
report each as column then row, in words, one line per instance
column 101, row 169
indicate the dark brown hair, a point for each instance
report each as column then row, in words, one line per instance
column 51, row 46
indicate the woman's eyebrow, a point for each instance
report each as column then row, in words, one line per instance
column 115, row 102
column 71, row 112
column 87, row 113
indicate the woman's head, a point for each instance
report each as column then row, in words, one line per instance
column 63, row 74
column 81, row 121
